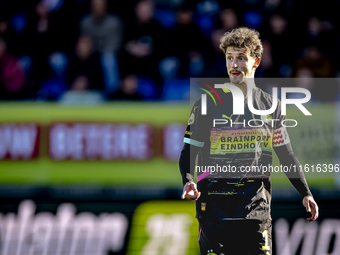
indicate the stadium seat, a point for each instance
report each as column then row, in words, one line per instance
column 168, row 67
column 26, row 63
column 58, row 62
column 176, row 89
column 166, row 17
column 205, row 23
column 253, row 19
column 52, row 89
column 147, row 88
column 18, row 21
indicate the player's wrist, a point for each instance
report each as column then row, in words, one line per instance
column 308, row 195
column 189, row 183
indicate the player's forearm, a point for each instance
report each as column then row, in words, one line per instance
column 186, row 164
column 296, row 177
column 300, row 184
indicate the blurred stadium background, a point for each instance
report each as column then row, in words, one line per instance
column 94, row 102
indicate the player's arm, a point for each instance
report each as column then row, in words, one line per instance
column 186, row 166
column 284, row 151
column 192, row 143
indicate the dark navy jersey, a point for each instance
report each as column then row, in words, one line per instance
column 232, row 158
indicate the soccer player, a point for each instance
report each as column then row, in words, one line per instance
column 233, row 208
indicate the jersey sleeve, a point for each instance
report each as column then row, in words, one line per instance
column 284, row 151
column 193, row 142
column 195, row 133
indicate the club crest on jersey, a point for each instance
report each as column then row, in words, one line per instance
column 280, row 137
column 203, row 206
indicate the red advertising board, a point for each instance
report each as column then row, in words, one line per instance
column 19, row 141
column 103, row 141
column 91, row 141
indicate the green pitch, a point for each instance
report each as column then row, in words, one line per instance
column 158, row 171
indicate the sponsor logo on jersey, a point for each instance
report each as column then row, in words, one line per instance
column 225, row 116
column 242, row 140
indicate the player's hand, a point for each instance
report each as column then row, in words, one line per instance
column 312, row 207
column 190, row 191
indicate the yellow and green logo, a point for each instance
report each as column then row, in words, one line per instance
column 164, row 227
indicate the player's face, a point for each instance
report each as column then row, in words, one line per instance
column 240, row 64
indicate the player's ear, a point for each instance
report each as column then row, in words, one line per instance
column 257, row 62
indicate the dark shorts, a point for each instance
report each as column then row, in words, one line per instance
column 237, row 237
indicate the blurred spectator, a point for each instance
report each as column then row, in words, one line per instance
column 106, row 31
column 128, row 89
column 58, row 62
column 272, row 5
column 9, row 35
column 185, row 33
column 305, row 79
column 265, row 69
column 216, row 61
column 278, row 26
column 282, row 54
column 42, row 41
column 312, row 59
column 314, row 28
column 196, row 64
column 46, row 34
column 5, row 33
column 208, row 7
column 12, row 76
column 42, row 34
column 187, row 44
column 321, row 34
column 253, row 19
column 86, row 62
column 53, row 87
column 54, row 5
column 314, row 65
column 49, row 30
column 144, row 43
column 205, row 14
column 80, row 93
column 228, row 19
column 168, row 67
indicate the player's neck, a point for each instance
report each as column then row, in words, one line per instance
column 245, row 86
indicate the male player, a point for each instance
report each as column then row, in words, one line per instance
column 233, row 208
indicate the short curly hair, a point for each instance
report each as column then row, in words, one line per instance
column 243, row 37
